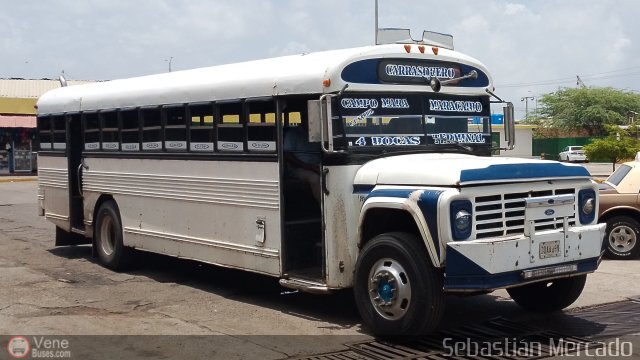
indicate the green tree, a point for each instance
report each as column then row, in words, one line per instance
column 620, row 144
column 588, row 109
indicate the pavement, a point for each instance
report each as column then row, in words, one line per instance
column 62, row 291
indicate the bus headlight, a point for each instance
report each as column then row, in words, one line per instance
column 587, row 205
column 461, row 219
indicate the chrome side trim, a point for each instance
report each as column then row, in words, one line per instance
column 246, row 249
column 48, row 215
column 51, row 177
column 235, row 192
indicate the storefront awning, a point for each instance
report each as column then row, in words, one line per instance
column 17, row 121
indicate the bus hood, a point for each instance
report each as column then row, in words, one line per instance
column 460, row 169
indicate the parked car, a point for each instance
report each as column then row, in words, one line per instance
column 573, row 154
column 620, row 210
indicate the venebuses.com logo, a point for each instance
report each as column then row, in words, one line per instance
column 35, row 347
column 18, row 347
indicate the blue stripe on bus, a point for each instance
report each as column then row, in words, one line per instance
column 461, row 273
column 428, row 204
column 362, row 189
column 522, row 171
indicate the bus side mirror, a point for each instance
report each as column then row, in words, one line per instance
column 509, row 126
column 315, row 120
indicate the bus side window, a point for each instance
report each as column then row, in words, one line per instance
column 91, row 131
column 151, row 129
column 130, row 129
column 59, row 132
column 175, row 130
column 201, row 127
column 231, row 127
column 110, row 128
column 44, row 132
column 261, row 131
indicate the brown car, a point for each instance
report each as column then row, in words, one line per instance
column 620, row 209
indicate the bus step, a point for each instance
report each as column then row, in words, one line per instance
column 304, row 285
column 78, row 231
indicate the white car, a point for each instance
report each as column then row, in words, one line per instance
column 573, row 154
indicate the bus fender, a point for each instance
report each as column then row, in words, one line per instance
column 410, row 205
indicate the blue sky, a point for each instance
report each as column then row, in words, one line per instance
column 531, row 47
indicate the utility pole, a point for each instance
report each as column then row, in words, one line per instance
column 170, row 60
column 526, row 106
column 579, row 82
column 376, row 24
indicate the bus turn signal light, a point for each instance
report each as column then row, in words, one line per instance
column 326, row 82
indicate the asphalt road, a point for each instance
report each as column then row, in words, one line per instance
column 63, row 291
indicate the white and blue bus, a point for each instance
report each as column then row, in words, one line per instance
column 401, row 201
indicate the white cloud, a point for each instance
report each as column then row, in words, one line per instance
column 522, row 42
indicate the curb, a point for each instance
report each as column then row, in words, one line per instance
column 18, row 179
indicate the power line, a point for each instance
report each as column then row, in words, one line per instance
column 560, row 81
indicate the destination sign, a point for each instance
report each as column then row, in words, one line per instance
column 426, row 72
column 413, row 71
column 455, row 106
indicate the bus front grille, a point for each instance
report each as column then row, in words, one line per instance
column 503, row 214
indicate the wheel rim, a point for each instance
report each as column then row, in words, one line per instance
column 107, row 236
column 622, row 239
column 389, row 289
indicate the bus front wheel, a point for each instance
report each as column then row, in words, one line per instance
column 108, row 234
column 397, row 291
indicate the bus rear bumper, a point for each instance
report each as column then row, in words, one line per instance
column 491, row 264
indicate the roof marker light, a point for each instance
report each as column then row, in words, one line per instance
column 326, row 82
column 407, row 47
column 435, row 50
column 421, row 48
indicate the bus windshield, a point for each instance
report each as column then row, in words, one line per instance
column 368, row 122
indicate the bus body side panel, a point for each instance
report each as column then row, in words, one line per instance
column 341, row 214
column 53, row 181
column 220, row 212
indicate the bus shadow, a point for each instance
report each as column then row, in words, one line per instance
column 337, row 308
column 239, row 285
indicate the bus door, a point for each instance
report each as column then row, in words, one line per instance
column 74, row 157
column 303, row 244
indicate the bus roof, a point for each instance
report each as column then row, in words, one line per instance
column 296, row 74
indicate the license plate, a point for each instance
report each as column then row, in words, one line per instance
column 549, row 249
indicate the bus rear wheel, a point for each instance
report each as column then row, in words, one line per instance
column 397, row 291
column 548, row 296
column 108, row 234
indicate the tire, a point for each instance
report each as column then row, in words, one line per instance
column 548, row 296
column 108, row 237
column 621, row 238
column 415, row 304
